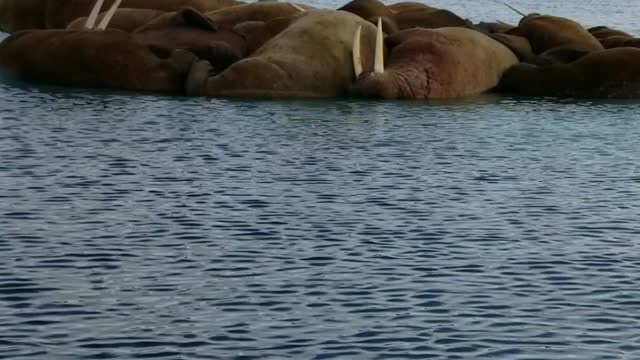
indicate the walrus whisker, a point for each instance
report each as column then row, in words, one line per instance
column 514, row 9
column 378, row 65
column 297, row 7
column 93, row 16
column 357, row 59
column 109, row 15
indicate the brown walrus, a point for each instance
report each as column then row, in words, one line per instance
column 605, row 74
column 546, row 32
column 436, row 64
column 310, row 58
column 92, row 58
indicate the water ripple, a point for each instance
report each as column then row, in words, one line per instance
column 138, row 226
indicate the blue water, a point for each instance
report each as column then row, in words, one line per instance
column 142, row 226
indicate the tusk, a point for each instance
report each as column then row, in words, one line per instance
column 297, row 7
column 502, row 22
column 109, row 15
column 357, row 59
column 514, row 9
column 93, row 16
column 378, row 65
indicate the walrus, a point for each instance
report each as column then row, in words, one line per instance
column 312, row 57
column 609, row 73
column 92, row 58
column 546, row 32
column 435, row 64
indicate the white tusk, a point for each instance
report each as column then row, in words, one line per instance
column 357, row 59
column 109, row 15
column 378, row 65
column 514, row 9
column 93, row 16
column 297, row 7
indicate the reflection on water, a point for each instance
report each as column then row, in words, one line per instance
column 142, row 226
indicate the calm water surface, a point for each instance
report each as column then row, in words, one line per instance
column 141, row 226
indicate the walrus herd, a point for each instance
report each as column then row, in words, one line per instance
column 225, row 48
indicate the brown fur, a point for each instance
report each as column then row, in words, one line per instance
column 546, row 32
column 125, row 19
column 57, row 14
column 311, row 58
column 438, row 63
column 103, row 59
column 606, row 74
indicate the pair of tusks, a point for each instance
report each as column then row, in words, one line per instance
column 93, row 16
column 378, row 65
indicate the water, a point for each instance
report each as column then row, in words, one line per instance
column 142, row 226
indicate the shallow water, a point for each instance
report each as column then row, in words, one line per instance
column 142, row 226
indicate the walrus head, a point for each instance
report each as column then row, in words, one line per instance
column 93, row 16
column 376, row 83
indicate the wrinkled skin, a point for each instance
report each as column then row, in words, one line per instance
column 437, row 64
column 57, row 14
column 99, row 59
column 606, row 74
column 125, row 19
column 546, row 32
column 310, row 58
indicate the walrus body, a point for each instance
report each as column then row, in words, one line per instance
column 546, row 32
column 610, row 73
column 311, row 58
column 436, row 64
column 99, row 59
